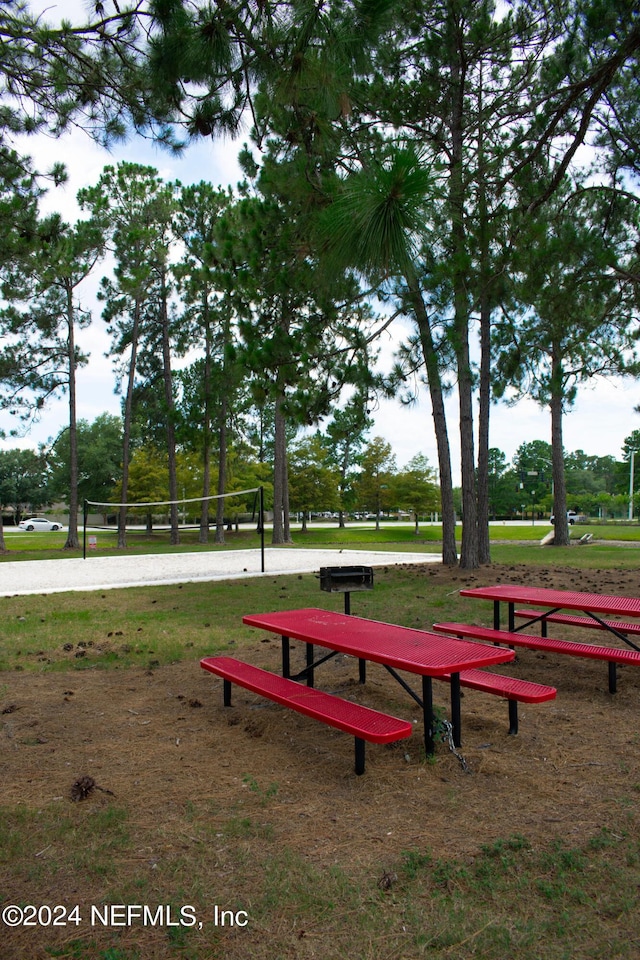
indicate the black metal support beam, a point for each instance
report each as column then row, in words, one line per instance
column 456, row 719
column 513, row 717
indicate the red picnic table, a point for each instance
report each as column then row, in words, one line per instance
column 420, row 652
column 595, row 606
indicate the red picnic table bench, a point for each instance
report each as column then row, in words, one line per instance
column 396, row 648
column 595, row 612
column 362, row 722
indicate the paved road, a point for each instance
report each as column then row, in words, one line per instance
column 104, row 573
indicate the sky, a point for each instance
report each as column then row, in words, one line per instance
column 601, row 418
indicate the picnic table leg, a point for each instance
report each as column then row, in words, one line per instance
column 359, row 756
column 513, row 717
column 613, row 683
column 456, row 722
column 427, row 709
column 496, row 614
column 309, row 664
column 286, row 662
column 362, row 664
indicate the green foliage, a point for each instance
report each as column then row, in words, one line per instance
column 572, row 323
column 148, row 481
column 52, row 76
column 19, row 196
column 39, row 358
column 136, row 209
column 378, row 214
column 313, row 482
column 301, row 338
column 416, row 489
column 99, row 453
column 24, row 481
column 344, row 438
column 214, row 390
column 374, row 486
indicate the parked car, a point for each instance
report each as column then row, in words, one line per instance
column 39, row 523
column 572, row 517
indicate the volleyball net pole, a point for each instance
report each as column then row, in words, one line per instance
column 261, row 522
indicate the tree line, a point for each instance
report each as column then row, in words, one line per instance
column 464, row 166
column 322, row 483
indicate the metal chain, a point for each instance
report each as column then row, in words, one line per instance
column 447, row 736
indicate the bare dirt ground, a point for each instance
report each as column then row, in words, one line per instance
column 160, row 738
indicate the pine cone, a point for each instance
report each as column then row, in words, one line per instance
column 82, row 788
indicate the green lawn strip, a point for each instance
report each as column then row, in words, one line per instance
column 509, row 898
column 142, row 626
column 431, row 534
column 46, row 546
column 50, row 546
column 591, row 556
column 151, row 626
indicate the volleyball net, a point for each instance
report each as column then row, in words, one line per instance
column 159, row 519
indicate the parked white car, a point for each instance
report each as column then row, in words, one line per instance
column 572, row 517
column 39, row 523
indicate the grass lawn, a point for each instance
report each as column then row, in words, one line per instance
column 139, row 625
column 46, row 546
column 533, row 854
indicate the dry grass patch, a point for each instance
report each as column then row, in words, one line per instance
column 257, row 811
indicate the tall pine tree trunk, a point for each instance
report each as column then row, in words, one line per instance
column 222, row 467
column 280, row 485
column 223, row 428
column 484, row 547
column 127, row 423
column 449, row 550
column 484, row 408
column 72, row 542
column 286, row 512
column 561, row 523
column 459, row 254
column 203, row 536
column 170, row 408
column 344, row 467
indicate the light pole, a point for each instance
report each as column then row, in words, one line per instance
column 631, row 469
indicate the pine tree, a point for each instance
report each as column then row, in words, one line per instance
column 41, row 358
column 135, row 207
